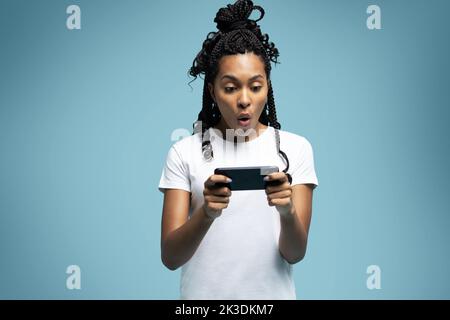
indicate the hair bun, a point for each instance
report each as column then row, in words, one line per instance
column 236, row 16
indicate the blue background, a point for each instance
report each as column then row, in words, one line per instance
column 86, row 118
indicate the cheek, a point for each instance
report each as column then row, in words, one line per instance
column 225, row 109
column 225, row 104
column 263, row 93
column 262, row 99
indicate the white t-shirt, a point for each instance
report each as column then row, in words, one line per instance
column 239, row 257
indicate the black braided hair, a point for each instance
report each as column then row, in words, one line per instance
column 237, row 34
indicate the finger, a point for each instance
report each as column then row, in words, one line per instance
column 277, row 176
column 271, row 189
column 216, row 178
column 218, row 200
column 279, row 195
column 212, row 199
column 222, row 191
column 279, row 202
column 217, row 206
column 280, row 176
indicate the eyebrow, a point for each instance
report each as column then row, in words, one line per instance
column 236, row 79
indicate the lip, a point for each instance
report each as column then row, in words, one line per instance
column 244, row 123
column 244, row 115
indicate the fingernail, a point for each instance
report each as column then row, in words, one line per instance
column 229, row 180
column 266, row 178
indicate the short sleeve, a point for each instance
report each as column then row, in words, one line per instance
column 175, row 174
column 303, row 171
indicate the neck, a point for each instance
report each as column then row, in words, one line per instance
column 256, row 132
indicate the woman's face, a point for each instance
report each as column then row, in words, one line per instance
column 240, row 91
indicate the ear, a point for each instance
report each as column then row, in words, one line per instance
column 211, row 91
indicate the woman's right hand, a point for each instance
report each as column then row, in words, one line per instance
column 216, row 195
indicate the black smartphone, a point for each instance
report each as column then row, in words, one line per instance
column 247, row 178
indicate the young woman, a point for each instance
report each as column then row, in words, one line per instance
column 240, row 244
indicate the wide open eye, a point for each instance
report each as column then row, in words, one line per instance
column 229, row 89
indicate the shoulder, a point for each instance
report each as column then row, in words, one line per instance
column 181, row 151
column 187, row 143
column 294, row 140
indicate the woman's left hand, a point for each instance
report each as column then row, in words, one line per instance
column 279, row 195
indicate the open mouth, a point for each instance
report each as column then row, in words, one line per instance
column 244, row 121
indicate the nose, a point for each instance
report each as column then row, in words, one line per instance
column 244, row 100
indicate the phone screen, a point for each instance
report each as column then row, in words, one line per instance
column 246, row 178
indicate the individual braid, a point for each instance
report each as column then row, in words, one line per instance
column 275, row 124
column 237, row 34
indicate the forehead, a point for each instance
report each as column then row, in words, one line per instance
column 241, row 65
